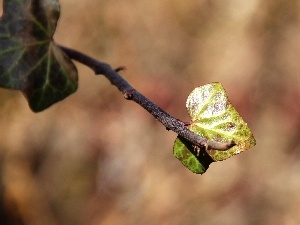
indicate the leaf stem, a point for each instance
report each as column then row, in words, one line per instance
column 130, row 93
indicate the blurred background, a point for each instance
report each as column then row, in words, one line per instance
column 97, row 159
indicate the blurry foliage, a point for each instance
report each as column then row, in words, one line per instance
column 29, row 59
column 97, row 159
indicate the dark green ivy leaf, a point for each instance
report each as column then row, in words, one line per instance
column 30, row 61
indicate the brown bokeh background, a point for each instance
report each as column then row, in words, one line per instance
column 97, row 159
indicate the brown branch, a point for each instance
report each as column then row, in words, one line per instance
column 131, row 93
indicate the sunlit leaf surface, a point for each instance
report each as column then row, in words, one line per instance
column 29, row 59
column 214, row 118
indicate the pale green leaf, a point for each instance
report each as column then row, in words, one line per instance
column 214, row 118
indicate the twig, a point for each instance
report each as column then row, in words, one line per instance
column 131, row 93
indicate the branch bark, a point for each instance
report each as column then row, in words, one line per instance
column 130, row 93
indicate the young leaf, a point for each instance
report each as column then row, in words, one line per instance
column 213, row 118
column 30, row 61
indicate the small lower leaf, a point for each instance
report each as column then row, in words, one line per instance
column 197, row 162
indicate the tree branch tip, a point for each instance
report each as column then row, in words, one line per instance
column 220, row 146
